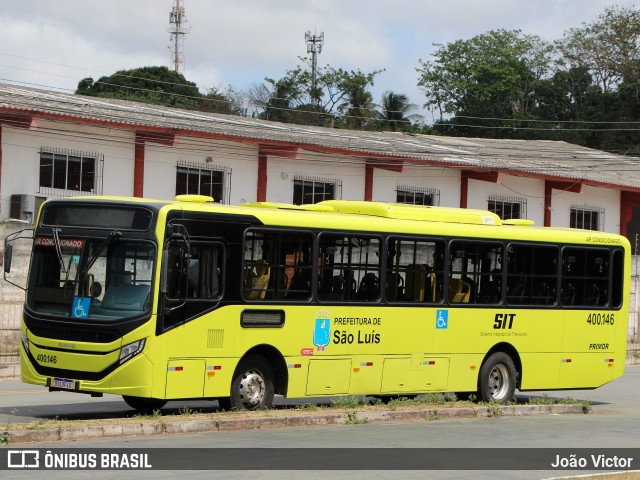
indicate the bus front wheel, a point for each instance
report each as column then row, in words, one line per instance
column 497, row 382
column 145, row 406
column 252, row 386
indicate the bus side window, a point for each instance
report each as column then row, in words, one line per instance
column 475, row 274
column 204, row 271
column 585, row 272
column 277, row 265
column 349, row 268
column 414, row 270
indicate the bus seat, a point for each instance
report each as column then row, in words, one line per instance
column 517, row 293
column 394, row 286
column 260, row 280
column 369, row 289
column 593, row 295
column 568, row 295
column 299, row 286
column 415, row 283
column 459, row 291
column 490, row 292
column 542, row 294
column 337, row 288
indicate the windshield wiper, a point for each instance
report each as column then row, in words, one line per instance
column 107, row 241
column 56, row 241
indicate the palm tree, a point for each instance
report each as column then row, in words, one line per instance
column 358, row 108
column 395, row 112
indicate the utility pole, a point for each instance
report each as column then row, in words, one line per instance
column 314, row 47
column 177, row 19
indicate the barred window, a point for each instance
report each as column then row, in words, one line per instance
column 201, row 179
column 307, row 190
column 588, row 218
column 417, row 195
column 508, row 207
column 63, row 169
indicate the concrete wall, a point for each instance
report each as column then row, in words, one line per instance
column 530, row 189
column 240, row 159
column 447, row 181
column 604, row 198
column 281, row 173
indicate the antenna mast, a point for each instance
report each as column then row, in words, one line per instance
column 177, row 19
column 314, row 47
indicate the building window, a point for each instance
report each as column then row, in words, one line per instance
column 307, row 190
column 508, row 207
column 199, row 179
column 68, row 170
column 417, row 195
column 587, row 218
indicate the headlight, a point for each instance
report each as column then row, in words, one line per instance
column 25, row 342
column 129, row 351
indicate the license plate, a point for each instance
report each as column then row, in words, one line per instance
column 63, row 383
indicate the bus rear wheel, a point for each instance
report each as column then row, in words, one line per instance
column 145, row 406
column 497, row 382
column 252, row 386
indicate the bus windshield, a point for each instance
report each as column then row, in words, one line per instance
column 103, row 279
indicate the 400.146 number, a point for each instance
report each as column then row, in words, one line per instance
column 600, row 319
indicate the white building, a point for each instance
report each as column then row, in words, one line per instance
column 54, row 144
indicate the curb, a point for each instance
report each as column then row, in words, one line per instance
column 249, row 421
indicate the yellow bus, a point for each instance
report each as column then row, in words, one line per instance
column 190, row 299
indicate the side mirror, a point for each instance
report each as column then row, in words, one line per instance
column 8, row 254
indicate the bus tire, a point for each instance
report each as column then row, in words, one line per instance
column 252, row 386
column 143, row 405
column 497, row 381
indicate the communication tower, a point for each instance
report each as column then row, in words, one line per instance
column 314, row 47
column 177, row 19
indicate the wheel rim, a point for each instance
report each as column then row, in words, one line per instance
column 252, row 389
column 498, row 382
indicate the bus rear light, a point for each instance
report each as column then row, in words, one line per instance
column 129, row 351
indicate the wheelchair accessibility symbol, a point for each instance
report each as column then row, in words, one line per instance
column 80, row 307
column 442, row 319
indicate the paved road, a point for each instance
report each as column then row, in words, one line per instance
column 613, row 424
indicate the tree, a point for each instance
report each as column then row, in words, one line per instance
column 358, row 110
column 608, row 50
column 395, row 112
column 492, row 75
column 228, row 101
column 157, row 85
column 293, row 99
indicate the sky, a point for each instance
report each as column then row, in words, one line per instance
column 55, row 44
